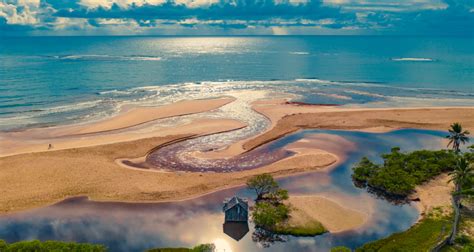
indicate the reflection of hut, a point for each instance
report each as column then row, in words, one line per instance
column 236, row 209
column 236, row 230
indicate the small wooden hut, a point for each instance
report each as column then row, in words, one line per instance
column 236, row 209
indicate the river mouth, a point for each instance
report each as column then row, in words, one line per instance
column 140, row 226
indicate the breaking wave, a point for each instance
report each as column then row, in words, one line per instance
column 309, row 90
column 102, row 57
column 414, row 59
column 300, row 53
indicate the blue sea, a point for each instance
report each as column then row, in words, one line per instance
column 46, row 81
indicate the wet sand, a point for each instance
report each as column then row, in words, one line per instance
column 120, row 128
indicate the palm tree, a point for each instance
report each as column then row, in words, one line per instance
column 457, row 136
column 461, row 176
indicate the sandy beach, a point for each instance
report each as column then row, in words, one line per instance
column 86, row 165
column 119, row 128
column 334, row 217
column 434, row 194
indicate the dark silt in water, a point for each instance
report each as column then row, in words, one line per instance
column 169, row 157
column 140, row 226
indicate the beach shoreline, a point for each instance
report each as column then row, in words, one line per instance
column 119, row 128
column 91, row 170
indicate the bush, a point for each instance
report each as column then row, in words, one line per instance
column 3, row 245
column 268, row 215
column 401, row 172
column 204, row 248
column 341, row 249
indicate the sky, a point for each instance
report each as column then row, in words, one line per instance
column 237, row 17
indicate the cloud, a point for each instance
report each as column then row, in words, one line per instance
column 22, row 13
column 455, row 19
column 451, row 17
column 222, row 10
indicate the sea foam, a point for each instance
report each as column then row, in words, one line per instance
column 108, row 57
column 414, row 59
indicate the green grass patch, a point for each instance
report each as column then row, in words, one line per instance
column 47, row 246
column 421, row 237
column 311, row 228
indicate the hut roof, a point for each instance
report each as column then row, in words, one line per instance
column 232, row 202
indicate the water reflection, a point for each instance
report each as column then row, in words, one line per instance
column 236, row 230
column 136, row 227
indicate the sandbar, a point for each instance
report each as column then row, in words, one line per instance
column 85, row 164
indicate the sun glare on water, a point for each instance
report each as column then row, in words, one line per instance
column 222, row 245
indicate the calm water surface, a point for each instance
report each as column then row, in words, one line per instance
column 136, row 227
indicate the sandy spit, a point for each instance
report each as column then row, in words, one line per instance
column 289, row 118
column 119, row 128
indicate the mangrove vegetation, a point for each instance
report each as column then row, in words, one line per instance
column 401, row 172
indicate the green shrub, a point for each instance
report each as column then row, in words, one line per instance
column 3, row 245
column 209, row 247
column 268, row 215
column 341, row 249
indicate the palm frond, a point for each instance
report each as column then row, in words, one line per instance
column 466, row 192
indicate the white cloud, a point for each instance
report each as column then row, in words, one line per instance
column 122, row 3
column 25, row 15
column 387, row 5
column 91, row 4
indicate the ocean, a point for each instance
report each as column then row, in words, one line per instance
column 48, row 81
